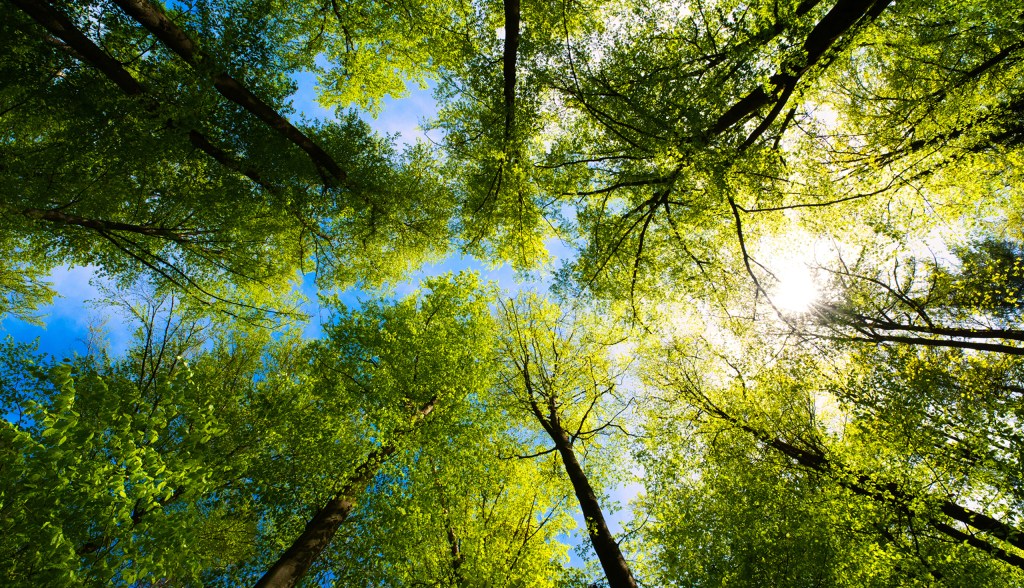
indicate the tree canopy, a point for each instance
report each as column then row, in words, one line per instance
column 784, row 348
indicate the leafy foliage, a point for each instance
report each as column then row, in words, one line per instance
column 685, row 151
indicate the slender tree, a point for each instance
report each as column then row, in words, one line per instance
column 401, row 364
column 559, row 376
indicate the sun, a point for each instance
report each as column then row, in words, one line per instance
column 795, row 290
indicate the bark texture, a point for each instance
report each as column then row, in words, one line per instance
column 616, row 569
column 176, row 39
column 508, row 62
column 321, row 528
column 83, row 49
column 293, row 564
column 843, row 16
column 60, row 26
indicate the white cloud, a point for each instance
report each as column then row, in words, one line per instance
column 75, row 309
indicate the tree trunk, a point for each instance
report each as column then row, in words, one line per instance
column 83, row 49
column 615, row 567
column 509, row 57
column 61, row 27
column 975, row 345
column 59, row 217
column 891, row 493
column 837, row 22
column 319, row 531
column 293, row 564
column 170, row 34
column 863, row 323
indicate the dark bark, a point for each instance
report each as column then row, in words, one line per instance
column 456, row 551
column 836, row 22
column 200, row 142
column 163, row 28
column 454, row 546
column 881, row 331
column 981, row 69
column 862, row 322
column 891, row 493
column 825, row 34
column 996, row 552
column 321, row 528
column 616, row 569
column 61, row 27
column 59, row 217
column 746, row 106
column 975, row 345
column 769, row 34
column 293, row 564
column 983, row 522
column 83, row 49
column 509, row 57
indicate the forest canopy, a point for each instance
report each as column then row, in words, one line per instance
column 784, row 349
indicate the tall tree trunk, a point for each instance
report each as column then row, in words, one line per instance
column 456, row 552
column 293, row 564
column 454, row 546
column 616, row 570
column 615, row 567
column 60, row 26
column 509, row 57
column 321, row 528
column 170, row 34
column 865, row 323
column 83, row 49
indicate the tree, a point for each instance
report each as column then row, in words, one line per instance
column 968, row 302
column 892, row 422
column 462, row 512
column 717, row 132
column 851, row 491
column 157, row 176
column 935, row 358
column 685, row 149
column 123, row 469
column 387, row 369
column 558, row 376
column 128, row 468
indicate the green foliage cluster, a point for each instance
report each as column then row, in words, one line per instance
column 686, row 150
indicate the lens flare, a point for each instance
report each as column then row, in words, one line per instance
column 796, row 289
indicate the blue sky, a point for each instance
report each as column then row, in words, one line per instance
column 67, row 321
